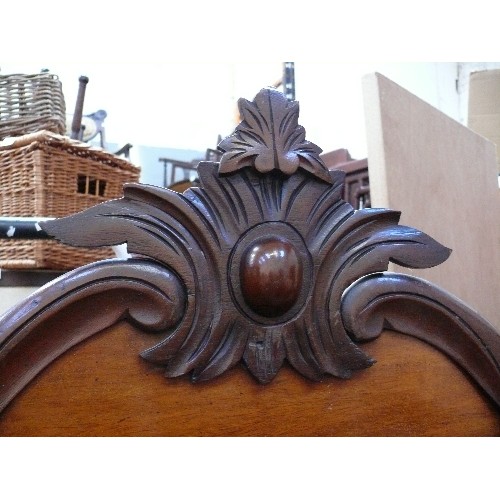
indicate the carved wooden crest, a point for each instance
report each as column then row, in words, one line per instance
column 263, row 262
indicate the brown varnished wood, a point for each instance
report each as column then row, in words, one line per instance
column 262, row 264
column 271, row 277
column 418, row 308
column 270, row 185
column 76, row 306
column 102, row 388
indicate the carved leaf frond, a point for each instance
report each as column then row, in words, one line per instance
column 346, row 246
column 265, row 351
column 228, row 353
column 166, row 227
column 248, row 198
column 330, row 346
column 222, row 201
column 377, row 234
column 269, row 138
column 299, row 353
column 155, row 222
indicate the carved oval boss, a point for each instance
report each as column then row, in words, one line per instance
column 271, row 275
column 264, row 249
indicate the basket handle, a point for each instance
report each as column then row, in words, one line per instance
column 76, row 125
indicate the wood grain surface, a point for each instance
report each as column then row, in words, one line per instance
column 103, row 388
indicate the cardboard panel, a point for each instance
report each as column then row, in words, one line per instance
column 443, row 177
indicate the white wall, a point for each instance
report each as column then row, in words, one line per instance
column 187, row 105
column 176, row 105
column 331, row 97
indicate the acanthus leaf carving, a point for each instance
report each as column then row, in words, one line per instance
column 205, row 235
column 270, row 138
column 256, row 220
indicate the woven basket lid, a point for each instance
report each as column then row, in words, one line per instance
column 47, row 140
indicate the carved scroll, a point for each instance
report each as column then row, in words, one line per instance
column 420, row 309
column 251, row 265
column 76, row 306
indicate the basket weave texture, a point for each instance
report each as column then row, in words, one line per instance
column 29, row 103
column 48, row 175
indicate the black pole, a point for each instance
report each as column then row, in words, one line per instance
column 289, row 80
column 22, row 228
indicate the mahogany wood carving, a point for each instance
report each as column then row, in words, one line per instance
column 416, row 307
column 79, row 304
column 263, row 262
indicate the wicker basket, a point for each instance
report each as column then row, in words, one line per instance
column 29, row 103
column 48, row 175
